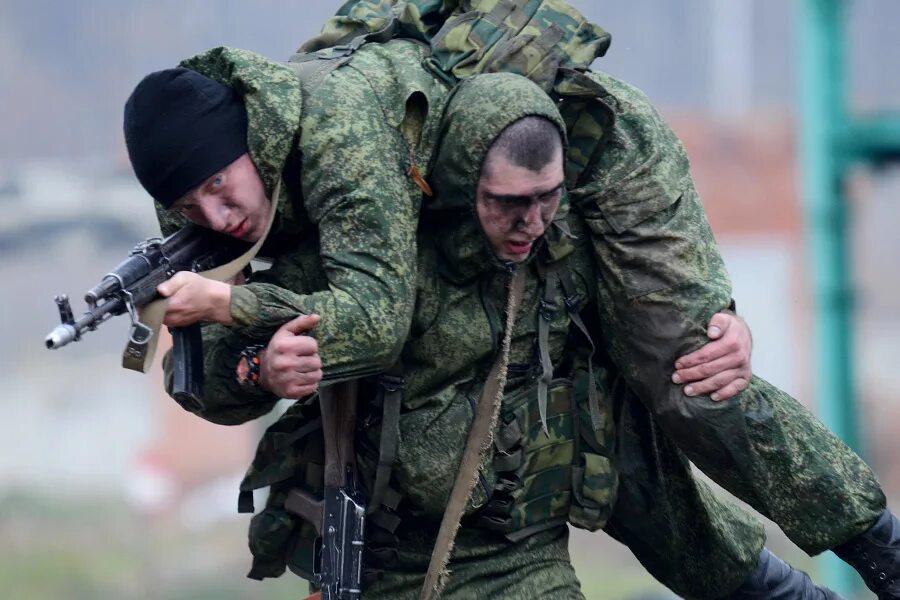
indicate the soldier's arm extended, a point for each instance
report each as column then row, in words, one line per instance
column 224, row 400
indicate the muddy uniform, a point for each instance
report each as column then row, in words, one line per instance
column 616, row 140
column 514, row 539
column 660, row 276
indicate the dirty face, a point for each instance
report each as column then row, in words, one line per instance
column 515, row 205
column 232, row 201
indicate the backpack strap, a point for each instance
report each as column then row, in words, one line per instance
column 312, row 67
column 571, row 303
column 383, row 496
column 546, row 312
column 385, row 34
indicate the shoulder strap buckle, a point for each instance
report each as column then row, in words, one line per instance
column 547, row 309
column 391, row 383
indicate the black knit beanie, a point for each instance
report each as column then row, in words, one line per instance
column 182, row 127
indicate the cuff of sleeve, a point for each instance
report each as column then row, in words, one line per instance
column 244, row 307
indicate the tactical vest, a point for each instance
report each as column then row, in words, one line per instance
column 553, row 462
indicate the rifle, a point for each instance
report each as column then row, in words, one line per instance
column 339, row 518
column 132, row 284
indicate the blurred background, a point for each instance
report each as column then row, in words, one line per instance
column 109, row 490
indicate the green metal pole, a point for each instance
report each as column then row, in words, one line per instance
column 822, row 118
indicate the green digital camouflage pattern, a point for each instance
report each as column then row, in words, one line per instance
column 662, row 280
column 628, row 178
column 688, row 538
column 660, row 272
column 693, row 542
column 458, row 322
column 705, row 552
column 534, row 38
column 358, row 203
column 355, row 19
column 486, row 566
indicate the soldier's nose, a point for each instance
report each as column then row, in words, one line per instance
column 215, row 213
column 531, row 222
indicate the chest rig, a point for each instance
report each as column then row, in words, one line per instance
column 553, row 446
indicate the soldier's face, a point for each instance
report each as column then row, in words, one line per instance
column 516, row 205
column 232, row 201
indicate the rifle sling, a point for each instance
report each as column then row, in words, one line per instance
column 478, row 441
column 391, row 389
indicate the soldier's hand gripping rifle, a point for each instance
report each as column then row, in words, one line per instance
column 132, row 284
column 339, row 518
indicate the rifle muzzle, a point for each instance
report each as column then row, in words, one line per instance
column 59, row 337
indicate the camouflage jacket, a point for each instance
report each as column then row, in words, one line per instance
column 457, row 326
column 344, row 238
column 626, row 171
column 460, row 289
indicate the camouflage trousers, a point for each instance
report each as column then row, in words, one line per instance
column 662, row 280
column 484, row 565
column 771, row 452
column 694, row 542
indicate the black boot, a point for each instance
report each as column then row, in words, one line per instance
column 774, row 579
column 876, row 556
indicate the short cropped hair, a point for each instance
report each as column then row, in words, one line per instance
column 531, row 142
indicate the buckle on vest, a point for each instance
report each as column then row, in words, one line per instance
column 334, row 52
column 391, row 383
column 547, row 310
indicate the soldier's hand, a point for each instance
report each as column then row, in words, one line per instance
column 720, row 369
column 193, row 298
column 290, row 367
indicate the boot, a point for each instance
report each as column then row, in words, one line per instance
column 774, row 579
column 876, row 556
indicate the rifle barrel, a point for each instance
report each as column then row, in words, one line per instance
column 67, row 333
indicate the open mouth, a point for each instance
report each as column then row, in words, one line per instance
column 518, row 248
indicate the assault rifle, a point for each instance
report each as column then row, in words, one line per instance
column 339, row 518
column 132, row 284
